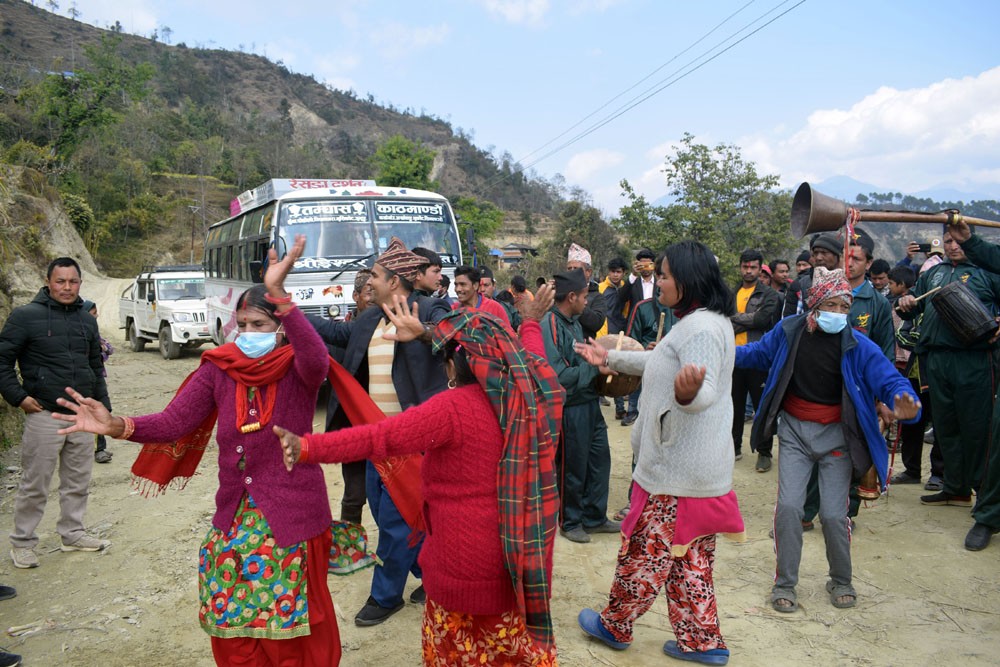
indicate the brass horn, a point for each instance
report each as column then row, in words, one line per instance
column 813, row 212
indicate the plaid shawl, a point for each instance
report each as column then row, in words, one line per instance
column 527, row 399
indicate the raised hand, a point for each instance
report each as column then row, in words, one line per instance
column 88, row 415
column 274, row 279
column 291, row 444
column 960, row 230
column 687, row 382
column 535, row 310
column 904, row 406
column 405, row 319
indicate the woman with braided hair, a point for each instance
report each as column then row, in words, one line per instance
column 488, row 483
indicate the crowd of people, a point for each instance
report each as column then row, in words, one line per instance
column 473, row 426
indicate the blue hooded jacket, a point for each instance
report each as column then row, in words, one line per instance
column 867, row 374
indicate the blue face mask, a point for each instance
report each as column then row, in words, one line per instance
column 256, row 343
column 831, row 322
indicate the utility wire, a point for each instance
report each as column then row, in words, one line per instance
column 677, row 75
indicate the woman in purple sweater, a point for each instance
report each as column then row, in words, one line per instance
column 262, row 567
column 488, row 483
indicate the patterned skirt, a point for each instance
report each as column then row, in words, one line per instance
column 249, row 586
column 453, row 639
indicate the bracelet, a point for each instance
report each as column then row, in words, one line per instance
column 278, row 300
column 129, row 428
column 304, row 448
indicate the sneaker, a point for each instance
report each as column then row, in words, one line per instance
column 103, row 456
column 929, row 438
column 578, row 535
column 935, row 483
column 716, row 656
column 605, row 402
column 619, row 415
column 373, row 613
column 24, row 557
column 418, row 596
column 9, row 659
column 904, row 478
column 739, row 456
column 629, row 420
column 7, row 592
column 763, row 463
column 943, row 498
column 86, row 543
column 609, row 526
column 590, row 622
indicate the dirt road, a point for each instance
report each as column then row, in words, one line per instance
column 924, row 600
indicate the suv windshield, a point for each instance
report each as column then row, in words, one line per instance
column 175, row 289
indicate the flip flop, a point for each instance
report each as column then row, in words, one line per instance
column 786, row 594
column 841, row 590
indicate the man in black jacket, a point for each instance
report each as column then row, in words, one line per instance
column 758, row 310
column 398, row 376
column 55, row 344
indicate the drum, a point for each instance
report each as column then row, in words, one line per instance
column 617, row 385
column 963, row 313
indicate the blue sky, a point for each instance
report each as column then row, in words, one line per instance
column 903, row 95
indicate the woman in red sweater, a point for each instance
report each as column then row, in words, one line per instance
column 488, row 483
column 263, row 565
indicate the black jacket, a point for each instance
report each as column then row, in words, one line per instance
column 54, row 346
column 763, row 312
column 596, row 311
column 416, row 373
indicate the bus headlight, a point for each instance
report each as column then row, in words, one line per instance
column 333, row 311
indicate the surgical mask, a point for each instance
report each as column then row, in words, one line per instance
column 831, row 322
column 256, row 343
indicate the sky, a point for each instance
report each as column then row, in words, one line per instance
column 902, row 94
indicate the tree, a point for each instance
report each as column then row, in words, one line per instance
column 644, row 225
column 483, row 217
column 402, row 163
column 721, row 201
column 74, row 12
column 580, row 223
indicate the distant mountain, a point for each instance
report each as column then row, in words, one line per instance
column 847, row 188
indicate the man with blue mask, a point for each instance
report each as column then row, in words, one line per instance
column 823, row 380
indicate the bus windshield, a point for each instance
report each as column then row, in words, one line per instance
column 340, row 232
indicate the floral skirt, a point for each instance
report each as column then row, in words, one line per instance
column 249, row 586
column 453, row 639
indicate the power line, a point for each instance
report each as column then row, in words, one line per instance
column 673, row 78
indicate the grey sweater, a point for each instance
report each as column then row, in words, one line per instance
column 684, row 450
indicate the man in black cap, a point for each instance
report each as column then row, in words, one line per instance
column 584, row 457
column 825, row 250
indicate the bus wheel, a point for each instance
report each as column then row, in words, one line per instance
column 135, row 343
column 168, row 348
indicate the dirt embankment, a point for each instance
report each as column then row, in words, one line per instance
column 924, row 600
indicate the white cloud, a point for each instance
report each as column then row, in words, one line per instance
column 582, row 166
column 903, row 140
column 395, row 41
column 335, row 70
column 527, row 12
column 578, row 7
column 137, row 18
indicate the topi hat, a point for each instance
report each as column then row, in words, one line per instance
column 570, row 281
column 578, row 254
column 827, row 284
column 401, row 261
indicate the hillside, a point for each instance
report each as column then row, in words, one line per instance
column 172, row 129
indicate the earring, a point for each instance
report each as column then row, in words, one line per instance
column 452, row 384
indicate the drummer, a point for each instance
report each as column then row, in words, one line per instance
column 584, row 457
column 961, row 378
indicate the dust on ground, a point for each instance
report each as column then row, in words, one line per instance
column 923, row 599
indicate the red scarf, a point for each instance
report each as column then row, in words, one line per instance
column 161, row 464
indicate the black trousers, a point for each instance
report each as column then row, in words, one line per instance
column 354, row 491
column 752, row 381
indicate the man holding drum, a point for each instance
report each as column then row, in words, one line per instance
column 961, row 376
column 987, row 511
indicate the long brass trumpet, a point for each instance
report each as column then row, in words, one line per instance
column 814, row 212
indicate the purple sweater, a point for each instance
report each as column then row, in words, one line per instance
column 294, row 503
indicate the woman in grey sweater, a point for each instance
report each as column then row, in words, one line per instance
column 683, row 477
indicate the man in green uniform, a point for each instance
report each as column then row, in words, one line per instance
column 987, row 511
column 584, row 457
column 961, row 377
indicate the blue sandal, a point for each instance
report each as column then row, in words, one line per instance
column 715, row 656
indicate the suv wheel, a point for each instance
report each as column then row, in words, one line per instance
column 135, row 343
column 168, row 348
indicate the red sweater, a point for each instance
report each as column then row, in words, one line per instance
column 462, row 558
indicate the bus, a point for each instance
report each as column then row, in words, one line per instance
column 347, row 224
